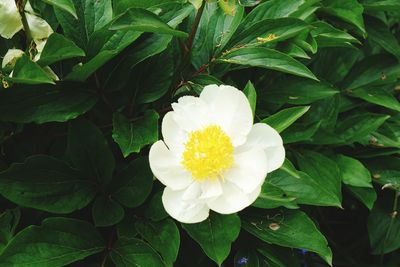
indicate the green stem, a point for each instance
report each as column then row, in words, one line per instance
column 21, row 8
column 393, row 217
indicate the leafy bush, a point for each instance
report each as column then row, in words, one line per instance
column 79, row 108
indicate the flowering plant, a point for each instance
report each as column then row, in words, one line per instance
column 199, row 133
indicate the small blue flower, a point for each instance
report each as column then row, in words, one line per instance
column 242, row 261
column 303, row 251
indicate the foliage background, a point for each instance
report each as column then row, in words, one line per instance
column 76, row 189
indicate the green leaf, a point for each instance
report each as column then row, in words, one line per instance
column 316, row 165
column 44, row 104
column 328, row 36
column 270, row 10
column 266, row 58
column 381, row 5
column 286, row 117
column 155, row 208
column 306, row 189
column 133, row 184
column 383, row 230
column 47, row 184
column 214, row 32
column 162, row 236
column 354, row 127
column 366, row 195
column 138, row 19
column 269, row 31
column 251, row 95
column 132, row 136
column 372, row 70
column 89, row 152
column 298, row 91
column 215, row 235
column 351, row 129
column 228, row 6
column 59, row 48
column 380, row 33
column 278, row 256
column 376, row 95
column 272, row 197
column 9, row 220
column 289, row 228
column 348, row 10
column 66, row 5
column 134, row 252
column 56, row 243
column 106, row 211
column 92, row 16
column 28, row 72
column 353, row 172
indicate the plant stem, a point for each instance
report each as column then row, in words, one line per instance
column 21, row 9
column 393, row 217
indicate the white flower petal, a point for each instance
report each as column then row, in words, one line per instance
column 211, row 189
column 166, row 167
column 38, row 27
column 10, row 19
column 229, row 109
column 233, row 199
column 249, row 171
column 11, row 57
column 263, row 136
column 181, row 210
column 190, row 113
column 174, row 136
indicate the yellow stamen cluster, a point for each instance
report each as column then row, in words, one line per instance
column 208, row 152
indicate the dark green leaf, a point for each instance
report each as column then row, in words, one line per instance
column 366, row 195
column 59, row 48
column 376, row 95
column 155, row 209
column 132, row 136
column 162, row 236
column 266, row 58
column 251, row 95
column 323, row 171
column 133, row 184
column 58, row 242
column 47, row 184
column 89, row 152
column 44, row 104
column 304, row 188
column 381, row 5
column 269, row 31
column 106, row 211
column 138, row 19
column 92, row 16
column 383, row 230
column 379, row 32
column 298, row 91
column 289, row 228
column 272, row 197
column 286, row 117
column 347, row 10
column 9, row 220
column 67, row 5
column 134, row 252
column 215, row 235
column 28, row 72
column 353, row 172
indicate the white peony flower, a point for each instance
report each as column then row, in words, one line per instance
column 10, row 19
column 11, row 57
column 212, row 156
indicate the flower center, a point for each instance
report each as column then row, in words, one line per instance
column 208, row 152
